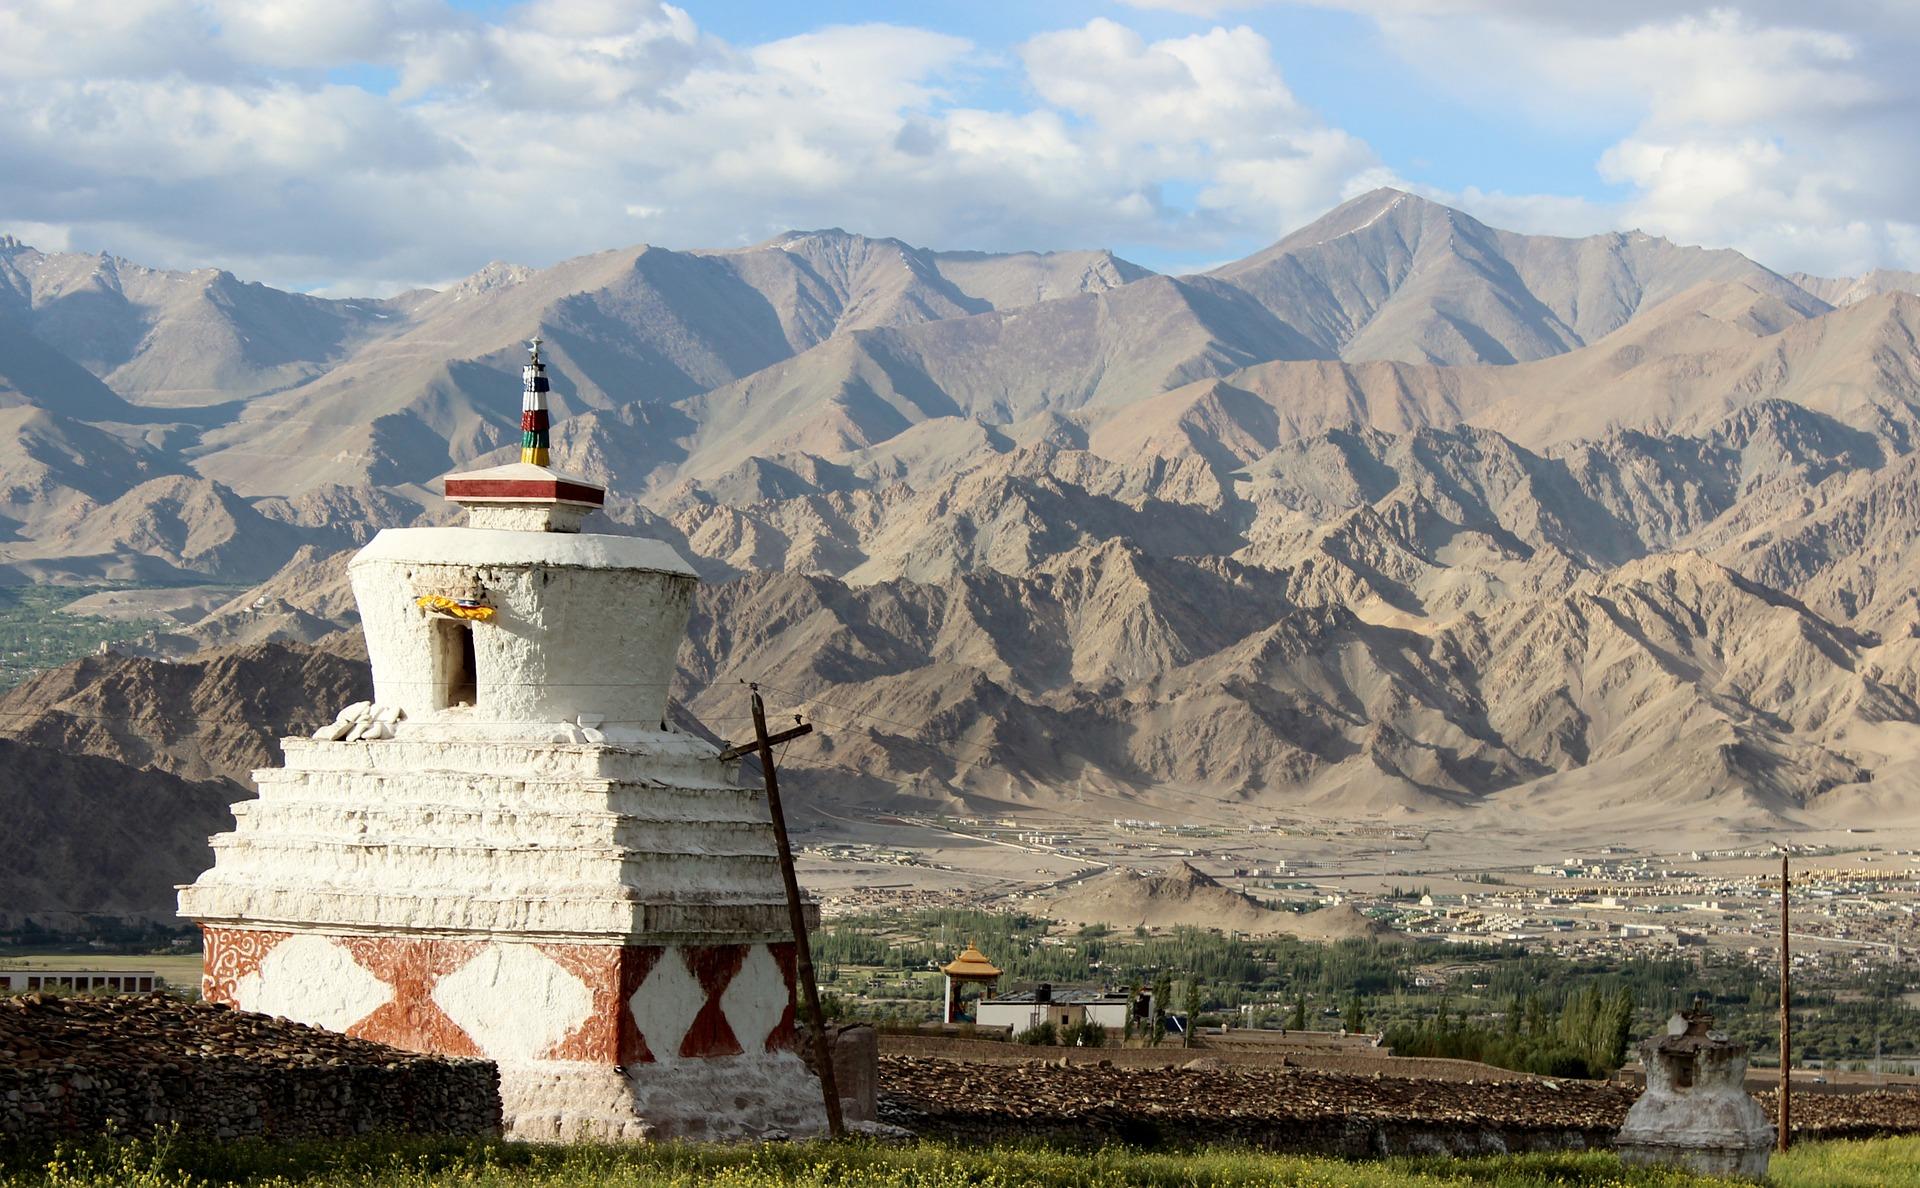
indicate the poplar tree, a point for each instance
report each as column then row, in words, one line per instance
column 1193, row 1008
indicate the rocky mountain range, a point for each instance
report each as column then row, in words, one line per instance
column 94, row 846
column 1403, row 514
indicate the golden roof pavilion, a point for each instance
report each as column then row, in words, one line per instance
column 971, row 963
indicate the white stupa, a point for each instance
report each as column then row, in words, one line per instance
column 1696, row 1112
column 509, row 852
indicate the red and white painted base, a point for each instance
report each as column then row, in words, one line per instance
column 610, row 1041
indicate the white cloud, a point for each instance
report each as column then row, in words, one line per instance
column 48, row 39
column 48, row 237
column 1211, row 108
column 1216, row 87
column 1779, row 127
column 188, row 132
column 321, row 33
column 560, row 54
column 1782, row 129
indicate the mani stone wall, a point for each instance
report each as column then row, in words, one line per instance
column 1298, row 1110
column 70, row 1065
column 1288, row 1110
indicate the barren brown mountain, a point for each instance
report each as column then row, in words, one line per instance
column 218, row 716
column 92, row 842
column 1402, row 515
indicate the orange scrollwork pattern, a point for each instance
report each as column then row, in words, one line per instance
column 232, row 954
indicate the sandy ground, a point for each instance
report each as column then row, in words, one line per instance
column 178, row 604
column 1018, row 860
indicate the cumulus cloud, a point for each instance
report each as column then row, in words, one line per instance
column 560, row 55
column 1784, row 129
column 1775, row 126
column 225, row 131
column 322, row 33
column 1211, row 106
column 71, row 38
column 369, row 144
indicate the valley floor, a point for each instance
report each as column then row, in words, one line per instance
column 926, row 1165
column 1604, row 885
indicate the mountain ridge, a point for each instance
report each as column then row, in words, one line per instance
column 1402, row 514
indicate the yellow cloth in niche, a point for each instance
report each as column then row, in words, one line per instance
column 440, row 604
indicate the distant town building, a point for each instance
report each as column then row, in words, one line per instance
column 1062, row 1006
column 120, row 981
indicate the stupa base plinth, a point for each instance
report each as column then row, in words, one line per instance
column 593, row 1041
column 762, row 1096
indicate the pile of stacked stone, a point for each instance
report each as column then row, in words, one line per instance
column 1302, row 1110
column 71, row 1065
column 1283, row 1109
column 1848, row 1115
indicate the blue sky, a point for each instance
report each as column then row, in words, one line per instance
column 1334, row 61
column 365, row 145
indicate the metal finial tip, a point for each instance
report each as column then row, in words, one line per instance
column 533, row 348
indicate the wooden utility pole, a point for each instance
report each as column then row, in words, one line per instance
column 797, row 916
column 1786, row 1032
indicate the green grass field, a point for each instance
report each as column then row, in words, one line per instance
column 33, row 637
column 1888, row 1162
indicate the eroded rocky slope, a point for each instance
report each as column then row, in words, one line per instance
column 217, row 716
column 1402, row 514
column 90, row 840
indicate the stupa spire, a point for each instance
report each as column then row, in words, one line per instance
column 528, row 495
column 533, row 407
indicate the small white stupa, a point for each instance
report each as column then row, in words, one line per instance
column 1696, row 1112
column 509, row 853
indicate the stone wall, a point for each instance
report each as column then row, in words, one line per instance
column 233, row 1097
column 1279, row 1109
column 1297, row 1110
column 986, row 1051
column 69, row 1066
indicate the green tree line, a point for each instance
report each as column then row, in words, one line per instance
column 1587, row 1036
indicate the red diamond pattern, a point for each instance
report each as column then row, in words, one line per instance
column 711, row 1034
column 413, row 966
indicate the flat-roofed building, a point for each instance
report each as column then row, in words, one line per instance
column 25, row 979
column 1062, row 1007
